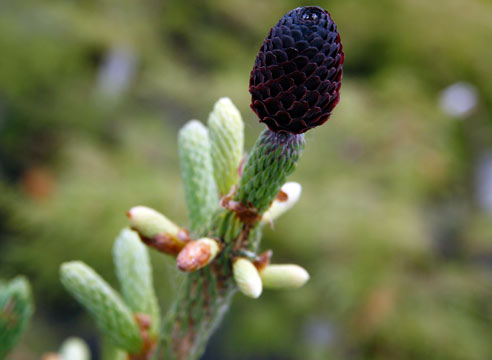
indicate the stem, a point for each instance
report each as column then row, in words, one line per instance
column 204, row 297
column 207, row 293
column 272, row 159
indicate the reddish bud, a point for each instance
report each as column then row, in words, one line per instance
column 197, row 254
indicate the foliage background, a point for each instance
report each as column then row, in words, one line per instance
column 392, row 224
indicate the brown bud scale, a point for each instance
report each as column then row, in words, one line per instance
column 194, row 256
column 164, row 243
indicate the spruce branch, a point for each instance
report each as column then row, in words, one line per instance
column 292, row 92
column 206, row 294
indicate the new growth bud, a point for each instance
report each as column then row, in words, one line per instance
column 197, row 254
column 150, row 223
column 74, row 349
column 283, row 276
column 247, row 277
column 201, row 193
column 226, row 132
column 134, row 273
column 287, row 197
column 106, row 306
column 156, row 230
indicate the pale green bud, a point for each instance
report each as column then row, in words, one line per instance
column 74, row 348
column 156, row 230
column 226, row 131
column 286, row 276
column 197, row 172
column 134, row 273
column 197, row 254
column 288, row 196
column 108, row 309
column 247, row 277
column 149, row 223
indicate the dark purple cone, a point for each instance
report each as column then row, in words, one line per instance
column 295, row 82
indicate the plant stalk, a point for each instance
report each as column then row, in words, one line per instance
column 206, row 294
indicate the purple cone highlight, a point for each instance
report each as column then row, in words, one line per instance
column 295, row 82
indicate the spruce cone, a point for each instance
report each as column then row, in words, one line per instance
column 295, row 82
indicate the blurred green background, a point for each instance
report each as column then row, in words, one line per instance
column 395, row 221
